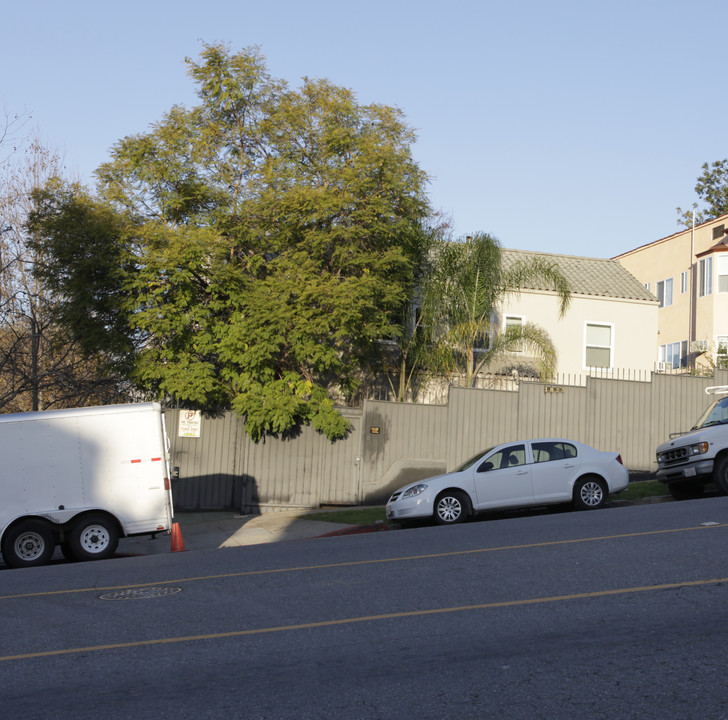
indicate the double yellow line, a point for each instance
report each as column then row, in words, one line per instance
column 364, row 618
column 269, row 571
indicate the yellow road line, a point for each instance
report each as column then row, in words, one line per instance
column 364, row 618
column 245, row 573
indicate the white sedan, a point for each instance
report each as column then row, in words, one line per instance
column 515, row 474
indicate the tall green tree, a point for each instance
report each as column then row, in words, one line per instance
column 266, row 242
column 469, row 283
column 712, row 189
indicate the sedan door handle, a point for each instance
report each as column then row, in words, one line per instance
column 522, row 472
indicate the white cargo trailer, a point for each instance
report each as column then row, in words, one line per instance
column 82, row 478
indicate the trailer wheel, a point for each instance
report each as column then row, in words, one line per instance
column 93, row 537
column 66, row 550
column 28, row 544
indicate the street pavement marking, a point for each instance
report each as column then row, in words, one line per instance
column 270, row 571
column 365, row 618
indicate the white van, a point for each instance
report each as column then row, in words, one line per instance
column 689, row 461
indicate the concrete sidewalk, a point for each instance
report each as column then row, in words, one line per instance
column 210, row 530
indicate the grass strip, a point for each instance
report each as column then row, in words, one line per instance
column 369, row 515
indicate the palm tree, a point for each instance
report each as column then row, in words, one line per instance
column 469, row 283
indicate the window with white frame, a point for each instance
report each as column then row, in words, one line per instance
column 671, row 354
column 599, row 345
column 705, row 276
column 514, row 321
column 721, row 352
column 723, row 273
column 664, row 292
column 683, row 282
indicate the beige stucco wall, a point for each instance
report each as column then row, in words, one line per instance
column 668, row 258
column 634, row 327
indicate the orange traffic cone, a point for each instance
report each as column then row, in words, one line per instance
column 178, row 544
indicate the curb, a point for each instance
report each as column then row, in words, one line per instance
column 357, row 530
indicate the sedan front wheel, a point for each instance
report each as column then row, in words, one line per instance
column 451, row 507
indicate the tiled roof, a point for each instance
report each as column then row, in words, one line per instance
column 587, row 276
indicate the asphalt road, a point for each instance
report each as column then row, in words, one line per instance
column 617, row 613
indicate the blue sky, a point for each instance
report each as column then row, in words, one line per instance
column 566, row 126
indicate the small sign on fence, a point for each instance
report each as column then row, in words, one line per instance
column 190, row 422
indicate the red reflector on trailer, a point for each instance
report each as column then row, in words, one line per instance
column 156, row 459
column 136, row 461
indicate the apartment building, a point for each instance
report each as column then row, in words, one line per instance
column 688, row 273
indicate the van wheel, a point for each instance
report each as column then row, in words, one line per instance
column 28, row 544
column 93, row 537
column 720, row 474
column 685, row 490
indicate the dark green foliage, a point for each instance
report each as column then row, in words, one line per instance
column 257, row 244
column 84, row 262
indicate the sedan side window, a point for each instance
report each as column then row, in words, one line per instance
column 548, row 451
column 508, row 457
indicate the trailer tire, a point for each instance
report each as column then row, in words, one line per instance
column 93, row 537
column 29, row 543
column 66, row 550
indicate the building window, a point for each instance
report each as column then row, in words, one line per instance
column 671, row 354
column 721, row 352
column 598, row 347
column 705, row 279
column 514, row 321
column 647, row 287
column 664, row 292
column 683, row 282
column 723, row 273
column 718, row 232
column 481, row 344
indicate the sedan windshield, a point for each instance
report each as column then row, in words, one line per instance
column 472, row 460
